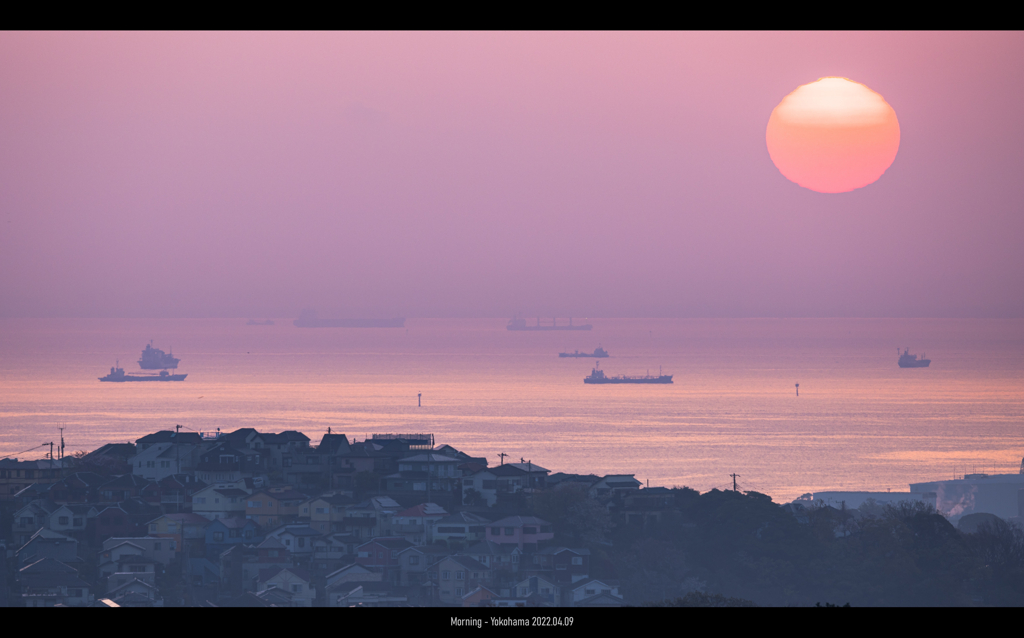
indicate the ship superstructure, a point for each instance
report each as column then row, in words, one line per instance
column 156, row 359
column 598, row 376
column 908, row 360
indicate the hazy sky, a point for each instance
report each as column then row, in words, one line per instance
column 464, row 174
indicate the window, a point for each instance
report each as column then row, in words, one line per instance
column 515, row 558
column 218, row 536
column 496, row 531
column 394, row 553
column 460, row 575
column 321, row 510
column 577, row 560
column 432, row 575
column 156, row 547
column 458, row 591
column 296, row 589
column 201, row 500
column 414, row 560
column 232, row 533
column 150, row 464
column 510, row 531
column 152, row 528
column 248, row 533
column 302, row 541
column 63, row 520
column 590, row 592
column 165, row 464
column 26, row 520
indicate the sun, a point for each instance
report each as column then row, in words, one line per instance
column 833, row 135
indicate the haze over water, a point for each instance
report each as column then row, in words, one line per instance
column 860, row 421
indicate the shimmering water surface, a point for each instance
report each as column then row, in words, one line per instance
column 860, row 421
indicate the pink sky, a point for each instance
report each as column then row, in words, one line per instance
column 439, row 174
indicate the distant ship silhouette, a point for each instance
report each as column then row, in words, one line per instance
column 908, row 360
column 309, row 319
column 518, row 323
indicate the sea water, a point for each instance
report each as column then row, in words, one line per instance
column 859, row 423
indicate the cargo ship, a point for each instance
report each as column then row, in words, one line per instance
column 309, row 319
column 117, row 375
column 599, row 353
column 908, row 360
column 598, row 376
column 156, row 359
column 253, row 322
column 518, row 323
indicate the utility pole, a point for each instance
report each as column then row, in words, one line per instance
column 62, row 449
column 734, row 476
column 419, row 400
column 502, row 456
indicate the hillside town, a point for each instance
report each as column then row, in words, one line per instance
column 249, row 518
column 256, row 519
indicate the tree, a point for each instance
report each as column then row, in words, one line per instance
column 575, row 517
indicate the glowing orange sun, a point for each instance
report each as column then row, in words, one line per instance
column 833, row 135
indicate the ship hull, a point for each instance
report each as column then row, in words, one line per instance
column 923, row 363
column 581, row 355
column 350, row 323
column 163, row 365
column 169, row 377
column 656, row 380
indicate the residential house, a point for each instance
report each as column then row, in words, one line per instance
column 594, row 593
column 176, row 492
column 327, row 513
column 561, row 565
column 47, row 544
column 369, row 518
column 381, row 555
column 502, row 559
column 71, row 519
column 414, row 562
column 48, row 582
column 168, row 437
column 413, row 473
column 221, row 500
column 541, row 589
column 136, row 593
column 224, row 463
column 295, row 581
column 30, row 519
column 460, row 530
column 479, row 597
column 615, row 486
column 110, row 520
column 16, row 475
column 273, row 506
column 416, row 524
column 297, row 538
column 340, row 583
column 480, row 488
column 525, row 532
column 160, row 460
column 184, row 529
column 455, row 576
column 332, row 551
column 80, row 487
column 159, row 549
column 128, row 567
column 224, row 532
